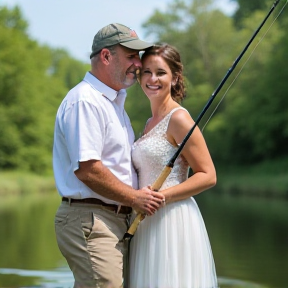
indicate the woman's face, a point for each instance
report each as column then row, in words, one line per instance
column 156, row 77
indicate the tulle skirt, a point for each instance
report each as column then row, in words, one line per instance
column 171, row 249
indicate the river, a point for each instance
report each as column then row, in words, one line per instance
column 249, row 238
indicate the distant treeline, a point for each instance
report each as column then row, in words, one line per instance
column 33, row 81
column 251, row 123
column 249, row 126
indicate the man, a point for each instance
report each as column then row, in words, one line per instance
column 92, row 163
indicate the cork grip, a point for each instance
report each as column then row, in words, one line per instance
column 155, row 187
column 161, row 178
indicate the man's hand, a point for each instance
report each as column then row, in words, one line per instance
column 147, row 201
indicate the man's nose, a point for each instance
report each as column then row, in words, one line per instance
column 137, row 63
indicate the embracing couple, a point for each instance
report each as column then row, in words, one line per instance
column 103, row 176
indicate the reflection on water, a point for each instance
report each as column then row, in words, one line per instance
column 53, row 279
column 62, row 278
column 248, row 238
column 235, row 283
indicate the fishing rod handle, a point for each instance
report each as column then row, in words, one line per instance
column 155, row 187
column 161, row 178
column 132, row 229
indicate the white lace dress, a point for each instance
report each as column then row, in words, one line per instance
column 170, row 249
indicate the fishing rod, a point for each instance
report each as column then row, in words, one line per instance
column 166, row 171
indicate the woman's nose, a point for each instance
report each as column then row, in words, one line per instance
column 154, row 77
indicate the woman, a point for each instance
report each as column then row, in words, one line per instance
column 171, row 249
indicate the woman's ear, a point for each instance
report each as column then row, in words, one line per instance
column 174, row 81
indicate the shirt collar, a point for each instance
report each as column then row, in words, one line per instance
column 106, row 91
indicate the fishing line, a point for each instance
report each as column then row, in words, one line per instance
column 250, row 55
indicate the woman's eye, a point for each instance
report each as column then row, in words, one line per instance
column 161, row 73
column 146, row 72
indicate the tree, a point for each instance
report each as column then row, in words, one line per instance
column 249, row 125
column 33, row 81
column 246, row 8
column 255, row 107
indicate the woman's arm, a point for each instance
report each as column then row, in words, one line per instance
column 196, row 154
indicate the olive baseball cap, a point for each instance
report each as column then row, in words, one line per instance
column 115, row 33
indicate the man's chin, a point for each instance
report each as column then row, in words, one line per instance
column 131, row 75
column 129, row 81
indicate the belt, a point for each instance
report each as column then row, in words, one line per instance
column 111, row 207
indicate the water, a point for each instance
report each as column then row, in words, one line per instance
column 248, row 236
column 60, row 278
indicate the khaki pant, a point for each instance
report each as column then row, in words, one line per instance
column 90, row 238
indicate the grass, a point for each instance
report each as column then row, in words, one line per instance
column 17, row 183
column 266, row 179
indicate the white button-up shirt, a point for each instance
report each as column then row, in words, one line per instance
column 91, row 124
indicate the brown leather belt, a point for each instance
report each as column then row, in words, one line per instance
column 112, row 207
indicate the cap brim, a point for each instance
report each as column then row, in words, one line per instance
column 136, row 44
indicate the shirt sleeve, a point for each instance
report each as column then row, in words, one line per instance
column 83, row 130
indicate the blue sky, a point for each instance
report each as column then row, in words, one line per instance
column 72, row 24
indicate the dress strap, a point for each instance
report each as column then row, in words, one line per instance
column 167, row 120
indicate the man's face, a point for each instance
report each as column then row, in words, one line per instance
column 125, row 62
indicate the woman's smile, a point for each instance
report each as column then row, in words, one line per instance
column 153, row 87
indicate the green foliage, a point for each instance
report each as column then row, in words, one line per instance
column 247, row 7
column 33, row 81
column 12, row 19
column 138, row 107
column 250, row 124
column 256, row 107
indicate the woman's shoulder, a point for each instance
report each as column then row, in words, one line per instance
column 180, row 123
column 179, row 114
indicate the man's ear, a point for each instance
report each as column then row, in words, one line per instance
column 105, row 56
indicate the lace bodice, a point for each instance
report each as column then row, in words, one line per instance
column 152, row 152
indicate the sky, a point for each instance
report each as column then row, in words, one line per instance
column 72, row 24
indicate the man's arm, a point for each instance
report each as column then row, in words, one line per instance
column 101, row 180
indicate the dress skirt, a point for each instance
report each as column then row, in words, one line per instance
column 171, row 249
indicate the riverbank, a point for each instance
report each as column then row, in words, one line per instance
column 17, row 183
column 268, row 179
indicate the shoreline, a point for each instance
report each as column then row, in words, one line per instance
column 265, row 180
